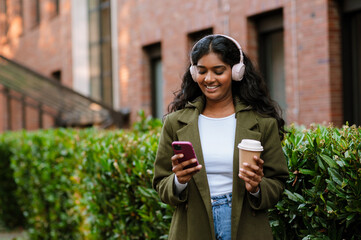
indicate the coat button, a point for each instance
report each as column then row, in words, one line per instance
column 186, row 206
column 253, row 213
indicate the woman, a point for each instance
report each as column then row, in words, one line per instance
column 222, row 101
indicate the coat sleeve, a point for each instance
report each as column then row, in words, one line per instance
column 275, row 168
column 163, row 180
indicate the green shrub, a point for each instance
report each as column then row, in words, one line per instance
column 43, row 164
column 89, row 184
column 323, row 195
column 118, row 175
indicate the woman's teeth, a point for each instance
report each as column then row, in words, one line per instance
column 211, row 87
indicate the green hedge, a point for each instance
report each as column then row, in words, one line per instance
column 92, row 184
column 43, row 163
column 323, row 194
column 88, row 184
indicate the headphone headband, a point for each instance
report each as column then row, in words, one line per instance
column 225, row 36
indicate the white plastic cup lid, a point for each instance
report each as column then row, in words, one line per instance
column 250, row 145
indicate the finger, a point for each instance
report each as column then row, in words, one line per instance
column 186, row 174
column 259, row 161
column 252, row 167
column 250, row 175
column 181, row 167
column 192, row 170
column 188, row 162
column 247, row 180
column 175, row 159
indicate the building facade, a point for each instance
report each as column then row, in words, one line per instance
column 131, row 54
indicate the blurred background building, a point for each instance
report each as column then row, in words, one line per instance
column 98, row 62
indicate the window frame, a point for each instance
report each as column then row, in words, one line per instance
column 105, row 78
column 351, row 62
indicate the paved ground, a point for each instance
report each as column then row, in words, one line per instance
column 18, row 235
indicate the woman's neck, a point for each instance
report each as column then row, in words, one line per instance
column 219, row 109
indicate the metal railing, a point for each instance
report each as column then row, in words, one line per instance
column 68, row 107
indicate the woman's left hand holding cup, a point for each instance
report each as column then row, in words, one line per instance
column 252, row 174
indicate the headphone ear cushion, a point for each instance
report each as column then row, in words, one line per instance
column 193, row 70
column 238, row 71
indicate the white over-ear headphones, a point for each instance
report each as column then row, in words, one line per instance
column 237, row 69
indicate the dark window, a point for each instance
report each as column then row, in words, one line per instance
column 153, row 53
column 57, row 6
column 21, row 13
column 352, row 61
column 100, row 51
column 271, row 55
column 37, row 12
column 56, row 75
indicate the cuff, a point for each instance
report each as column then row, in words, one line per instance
column 256, row 194
column 179, row 187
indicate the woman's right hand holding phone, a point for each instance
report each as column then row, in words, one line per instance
column 183, row 174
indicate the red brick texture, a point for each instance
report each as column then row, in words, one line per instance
column 312, row 48
column 44, row 47
column 312, row 45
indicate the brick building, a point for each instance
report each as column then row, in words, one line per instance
column 131, row 55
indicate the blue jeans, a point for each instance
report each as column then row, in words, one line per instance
column 222, row 208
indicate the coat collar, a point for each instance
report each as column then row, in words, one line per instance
column 246, row 121
column 200, row 102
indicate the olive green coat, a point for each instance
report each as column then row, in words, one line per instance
column 193, row 218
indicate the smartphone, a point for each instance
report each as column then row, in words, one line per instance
column 188, row 151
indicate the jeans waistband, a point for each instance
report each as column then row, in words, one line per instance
column 226, row 198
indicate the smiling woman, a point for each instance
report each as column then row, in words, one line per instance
column 222, row 101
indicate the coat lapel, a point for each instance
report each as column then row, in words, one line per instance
column 190, row 133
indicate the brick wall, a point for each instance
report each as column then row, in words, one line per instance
column 43, row 47
column 311, row 42
column 312, row 48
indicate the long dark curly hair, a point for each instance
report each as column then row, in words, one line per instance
column 252, row 90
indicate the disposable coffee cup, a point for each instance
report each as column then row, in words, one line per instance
column 248, row 148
